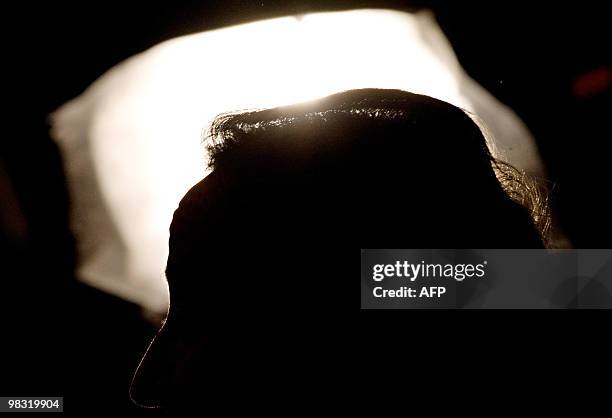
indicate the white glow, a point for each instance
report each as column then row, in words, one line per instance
column 141, row 124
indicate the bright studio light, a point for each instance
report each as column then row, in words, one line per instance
column 133, row 140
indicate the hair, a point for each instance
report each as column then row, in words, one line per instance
column 293, row 134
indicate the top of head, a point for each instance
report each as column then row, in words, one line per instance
column 365, row 168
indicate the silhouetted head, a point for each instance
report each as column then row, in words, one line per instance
column 294, row 187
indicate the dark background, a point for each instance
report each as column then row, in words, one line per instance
column 549, row 62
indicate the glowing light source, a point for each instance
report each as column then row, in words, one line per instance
column 133, row 145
